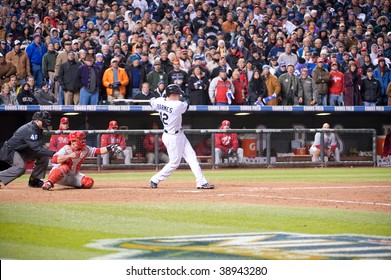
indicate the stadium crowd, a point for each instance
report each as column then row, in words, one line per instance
column 220, row 52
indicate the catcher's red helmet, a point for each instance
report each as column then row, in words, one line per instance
column 78, row 136
column 113, row 125
column 226, row 123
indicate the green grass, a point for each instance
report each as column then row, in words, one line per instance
column 61, row 231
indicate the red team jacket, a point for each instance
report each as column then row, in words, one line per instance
column 57, row 142
column 226, row 141
column 109, row 139
column 149, row 143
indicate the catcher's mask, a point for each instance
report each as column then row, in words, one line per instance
column 173, row 89
column 113, row 125
column 44, row 117
column 78, row 136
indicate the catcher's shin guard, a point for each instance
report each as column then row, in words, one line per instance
column 87, row 182
column 58, row 173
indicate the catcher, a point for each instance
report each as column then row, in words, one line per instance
column 67, row 162
column 227, row 144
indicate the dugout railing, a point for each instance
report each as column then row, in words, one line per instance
column 261, row 148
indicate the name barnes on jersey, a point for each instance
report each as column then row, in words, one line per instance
column 164, row 108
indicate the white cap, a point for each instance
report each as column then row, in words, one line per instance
column 75, row 41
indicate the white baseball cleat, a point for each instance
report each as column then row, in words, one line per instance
column 206, row 186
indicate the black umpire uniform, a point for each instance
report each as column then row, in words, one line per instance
column 26, row 144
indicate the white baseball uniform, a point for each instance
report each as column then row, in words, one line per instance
column 329, row 142
column 175, row 140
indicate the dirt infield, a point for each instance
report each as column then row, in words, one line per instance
column 352, row 196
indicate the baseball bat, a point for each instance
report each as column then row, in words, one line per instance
column 127, row 101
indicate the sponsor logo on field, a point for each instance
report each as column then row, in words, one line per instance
column 270, row 245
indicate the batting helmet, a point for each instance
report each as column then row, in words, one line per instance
column 113, row 125
column 44, row 117
column 173, row 89
column 78, row 136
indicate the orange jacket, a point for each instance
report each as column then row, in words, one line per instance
column 108, row 78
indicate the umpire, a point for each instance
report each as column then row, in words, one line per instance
column 26, row 144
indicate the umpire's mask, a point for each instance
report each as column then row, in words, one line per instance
column 44, row 117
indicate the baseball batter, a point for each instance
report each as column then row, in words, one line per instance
column 171, row 109
column 67, row 162
column 330, row 145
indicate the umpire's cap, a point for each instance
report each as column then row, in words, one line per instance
column 173, row 89
column 44, row 117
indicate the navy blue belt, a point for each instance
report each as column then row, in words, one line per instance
column 176, row 132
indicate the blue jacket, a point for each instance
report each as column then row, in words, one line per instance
column 36, row 52
column 84, row 76
column 383, row 80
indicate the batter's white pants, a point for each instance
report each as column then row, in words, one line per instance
column 179, row 147
column 219, row 155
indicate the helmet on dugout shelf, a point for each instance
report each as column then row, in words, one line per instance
column 78, row 136
column 173, row 89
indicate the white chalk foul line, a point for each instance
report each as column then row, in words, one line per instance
column 311, row 199
column 319, row 188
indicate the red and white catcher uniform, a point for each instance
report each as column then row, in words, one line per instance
column 70, row 169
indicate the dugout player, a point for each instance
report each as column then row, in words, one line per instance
column 119, row 139
column 67, row 162
column 25, row 145
column 178, row 146
column 57, row 141
column 227, row 144
column 330, row 145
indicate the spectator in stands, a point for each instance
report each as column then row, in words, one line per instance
column 291, row 87
column 49, row 65
column 6, row 96
column 7, row 69
column 35, row 52
column 69, row 80
column 257, row 88
column 322, row 78
column 352, row 82
column 370, row 90
column 383, row 74
column 117, row 138
column 149, row 146
column 59, row 139
column 221, row 89
column 144, row 94
column 273, row 86
column 89, row 76
column 156, row 75
column 198, row 85
column 310, row 89
column 19, row 58
column 177, row 76
column 115, row 81
column 137, row 76
column 336, row 86
column 330, row 145
column 44, row 95
column 25, row 96
column 227, row 144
